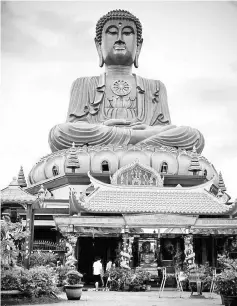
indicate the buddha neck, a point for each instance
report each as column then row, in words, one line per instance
column 118, row 70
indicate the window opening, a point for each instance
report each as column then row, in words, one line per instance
column 164, row 168
column 105, row 166
column 55, row 170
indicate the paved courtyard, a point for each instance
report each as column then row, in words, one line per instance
column 111, row 298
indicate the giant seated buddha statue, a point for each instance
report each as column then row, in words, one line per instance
column 119, row 107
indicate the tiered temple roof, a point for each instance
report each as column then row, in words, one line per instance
column 221, row 184
column 194, row 165
column 72, row 159
column 15, row 194
column 109, row 198
column 21, row 178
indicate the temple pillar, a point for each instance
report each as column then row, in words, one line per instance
column 213, row 251
column 189, row 253
column 71, row 254
column 226, row 245
column 126, row 253
column 29, row 240
column 158, row 249
column 204, row 251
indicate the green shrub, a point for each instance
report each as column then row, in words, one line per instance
column 120, row 277
column 35, row 282
column 44, row 281
column 226, row 282
column 12, row 237
column 26, row 283
column 73, row 277
column 10, row 280
column 43, row 259
column 142, row 276
column 62, row 274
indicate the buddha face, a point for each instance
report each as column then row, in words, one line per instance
column 119, row 43
column 146, row 247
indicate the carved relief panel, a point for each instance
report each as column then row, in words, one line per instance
column 137, row 174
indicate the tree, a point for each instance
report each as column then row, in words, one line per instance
column 12, row 238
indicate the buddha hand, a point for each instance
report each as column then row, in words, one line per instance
column 114, row 122
column 138, row 126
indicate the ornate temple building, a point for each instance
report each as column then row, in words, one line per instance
column 121, row 177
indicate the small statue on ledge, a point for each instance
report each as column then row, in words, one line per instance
column 148, row 259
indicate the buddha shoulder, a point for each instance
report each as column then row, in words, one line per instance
column 85, row 82
column 150, row 84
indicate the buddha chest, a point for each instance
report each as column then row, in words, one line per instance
column 120, row 98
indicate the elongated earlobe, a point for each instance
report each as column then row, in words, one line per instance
column 138, row 53
column 101, row 60
column 98, row 47
column 136, row 60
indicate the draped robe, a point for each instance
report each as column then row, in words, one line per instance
column 87, row 113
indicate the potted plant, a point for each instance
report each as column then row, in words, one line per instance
column 226, row 284
column 73, row 287
column 140, row 280
column 226, row 281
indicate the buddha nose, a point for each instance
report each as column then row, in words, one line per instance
column 120, row 42
column 120, row 36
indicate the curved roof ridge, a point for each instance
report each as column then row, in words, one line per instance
column 229, row 207
column 102, row 185
column 15, row 194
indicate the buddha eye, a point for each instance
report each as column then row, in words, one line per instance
column 128, row 31
column 112, row 31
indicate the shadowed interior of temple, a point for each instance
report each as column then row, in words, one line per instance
column 90, row 247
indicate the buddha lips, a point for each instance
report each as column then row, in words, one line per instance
column 119, row 46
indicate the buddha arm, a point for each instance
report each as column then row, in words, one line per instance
column 161, row 114
column 85, row 99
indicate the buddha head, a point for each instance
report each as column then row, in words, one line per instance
column 146, row 247
column 118, row 38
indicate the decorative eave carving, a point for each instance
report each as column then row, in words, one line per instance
column 137, row 174
column 223, row 198
column 98, row 148
column 168, row 150
column 38, row 174
column 75, row 202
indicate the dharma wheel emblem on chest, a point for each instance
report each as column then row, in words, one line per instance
column 121, row 88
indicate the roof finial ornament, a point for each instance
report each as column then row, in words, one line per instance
column 21, row 178
column 14, row 182
column 221, row 184
column 72, row 159
column 194, row 164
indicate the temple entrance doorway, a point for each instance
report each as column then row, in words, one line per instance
column 89, row 248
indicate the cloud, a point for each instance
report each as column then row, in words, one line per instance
column 233, row 66
column 45, row 35
column 214, row 90
column 233, row 4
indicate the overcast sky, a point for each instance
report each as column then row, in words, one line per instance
column 189, row 46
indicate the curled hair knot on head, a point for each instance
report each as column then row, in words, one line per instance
column 117, row 15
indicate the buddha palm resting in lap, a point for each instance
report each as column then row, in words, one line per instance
column 119, row 107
